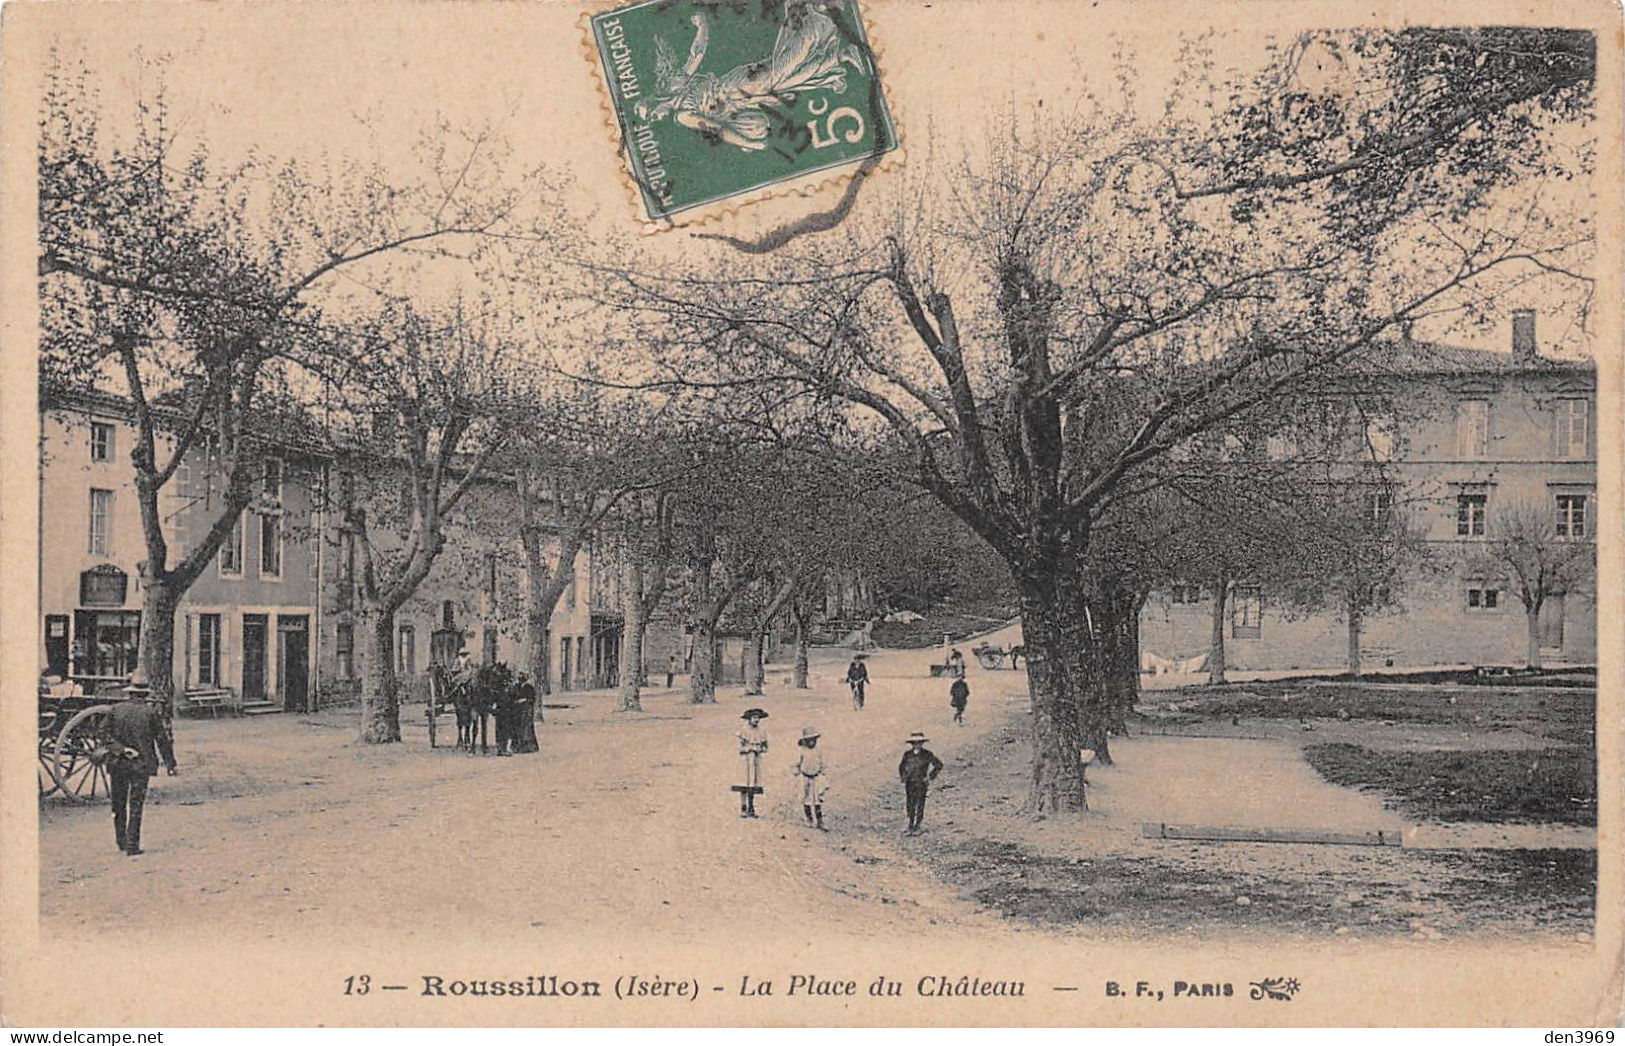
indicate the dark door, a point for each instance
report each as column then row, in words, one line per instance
column 254, row 646
column 293, row 661
column 56, row 645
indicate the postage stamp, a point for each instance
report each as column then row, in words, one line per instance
column 715, row 101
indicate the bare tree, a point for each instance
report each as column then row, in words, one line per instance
column 1068, row 312
column 195, row 288
column 432, row 392
column 1538, row 548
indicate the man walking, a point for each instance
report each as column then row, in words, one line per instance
column 138, row 733
column 671, row 670
column 857, row 677
column 919, row 768
column 959, row 697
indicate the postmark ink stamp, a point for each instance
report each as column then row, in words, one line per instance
column 717, row 101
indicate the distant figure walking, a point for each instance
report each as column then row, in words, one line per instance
column 139, row 734
column 959, row 697
column 919, row 768
column 524, row 710
column 814, row 775
column 671, row 670
column 752, row 743
column 956, row 664
column 857, row 677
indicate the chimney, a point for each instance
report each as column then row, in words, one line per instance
column 1523, row 334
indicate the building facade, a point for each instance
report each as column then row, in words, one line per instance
column 273, row 623
column 246, row 629
column 1485, row 436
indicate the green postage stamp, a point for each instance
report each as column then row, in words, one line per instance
column 718, row 99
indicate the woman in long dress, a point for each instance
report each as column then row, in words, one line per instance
column 808, row 55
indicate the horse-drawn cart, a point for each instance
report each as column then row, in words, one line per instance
column 73, row 735
column 993, row 657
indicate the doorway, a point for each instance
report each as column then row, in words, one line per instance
column 293, row 661
column 255, row 628
column 1551, row 624
column 56, row 645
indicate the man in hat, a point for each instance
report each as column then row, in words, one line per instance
column 138, row 734
column 919, row 768
column 814, row 775
column 857, row 677
column 752, row 743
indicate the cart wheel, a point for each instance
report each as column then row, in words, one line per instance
column 78, row 776
column 990, row 659
column 47, row 755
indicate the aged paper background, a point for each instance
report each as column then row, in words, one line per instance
column 292, row 74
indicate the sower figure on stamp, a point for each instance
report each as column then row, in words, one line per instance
column 139, row 734
column 919, row 768
column 752, row 743
column 813, row 773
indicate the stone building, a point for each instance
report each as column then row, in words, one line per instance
column 1486, row 434
column 245, row 631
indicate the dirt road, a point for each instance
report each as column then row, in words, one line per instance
column 624, row 824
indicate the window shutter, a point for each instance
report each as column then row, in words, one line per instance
column 1559, row 431
column 191, row 672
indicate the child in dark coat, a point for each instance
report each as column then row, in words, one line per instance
column 959, row 696
column 919, row 768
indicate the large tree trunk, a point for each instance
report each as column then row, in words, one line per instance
column 538, row 619
column 1356, row 622
column 1054, row 633
column 755, row 670
column 702, row 671
column 800, row 672
column 1118, row 623
column 380, row 704
column 157, row 640
column 632, row 628
column 1532, row 618
column 1215, row 650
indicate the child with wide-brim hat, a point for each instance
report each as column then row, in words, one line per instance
column 752, row 743
column 919, row 767
column 814, row 774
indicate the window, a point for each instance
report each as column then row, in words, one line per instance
column 231, row 552
column 271, row 485
column 101, row 441
column 1470, row 512
column 344, row 649
column 1482, row 596
column 448, row 614
column 270, row 545
column 1246, row 609
column 407, row 663
column 570, row 593
column 1473, row 429
column 1381, row 437
column 1569, row 436
column 1185, row 595
column 208, row 650
column 1379, row 508
column 1571, row 515
column 347, row 556
column 101, row 522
